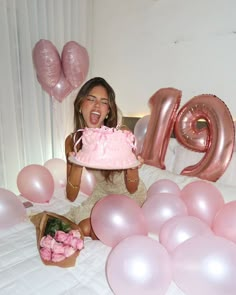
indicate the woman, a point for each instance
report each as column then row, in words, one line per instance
column 94, row 107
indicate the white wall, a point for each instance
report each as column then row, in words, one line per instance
column 140, row 46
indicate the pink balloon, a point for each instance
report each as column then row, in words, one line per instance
column 12, row 210
column 161, row 207
column 88, row 182
column 140, row 130
column 47, row 63
column 75, row 63
column 164, row 186
column 205, row 265
column 116, row 217
column 57, row 168
column 224, row 223
column 181, row 228
column 35, row 183
column 61, row 90
column 202, row 199
column 138, row 265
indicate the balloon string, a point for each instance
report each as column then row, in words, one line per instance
column 51, row 122
column 78, row 141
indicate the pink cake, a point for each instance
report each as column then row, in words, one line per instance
column 106, row 148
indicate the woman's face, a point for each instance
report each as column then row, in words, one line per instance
column 95, row 107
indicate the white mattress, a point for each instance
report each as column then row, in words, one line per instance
column 22, row 271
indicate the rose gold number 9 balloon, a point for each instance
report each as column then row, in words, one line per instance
column 164, row 105
column 217, row 139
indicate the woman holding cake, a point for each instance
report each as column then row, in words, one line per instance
column 95, row 107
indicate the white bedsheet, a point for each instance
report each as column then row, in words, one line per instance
column 22, row 271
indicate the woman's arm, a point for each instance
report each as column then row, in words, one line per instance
column 73, row 172
column 132, row 175
column 132, row 180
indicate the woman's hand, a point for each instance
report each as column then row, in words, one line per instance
column 141, row 160
column 70, row 154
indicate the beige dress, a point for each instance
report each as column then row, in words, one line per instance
column 102, row 189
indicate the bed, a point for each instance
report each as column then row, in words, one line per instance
column 22, row 271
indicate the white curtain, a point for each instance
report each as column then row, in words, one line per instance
column 33, row 125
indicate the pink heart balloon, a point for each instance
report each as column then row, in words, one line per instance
column 61, row 90
column 58, row 82
column 75, row 63
column 47, row 63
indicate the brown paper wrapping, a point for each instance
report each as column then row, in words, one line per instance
column 40, row 222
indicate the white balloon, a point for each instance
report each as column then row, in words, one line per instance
column 57, row 167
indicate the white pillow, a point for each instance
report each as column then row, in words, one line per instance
column 185, row 158
column 150, row 174
column 229, row 176
column 170, row 154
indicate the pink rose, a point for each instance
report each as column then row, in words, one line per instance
column 58, row 248
column 69, row 239
column 69, row 251
column 58, row 257
column 60, row 236
column 47, row 242
column 46, row 254
column 75, row 233
column 79, row 244
column 73, row 243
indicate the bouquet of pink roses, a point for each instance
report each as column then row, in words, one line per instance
column 59, row 240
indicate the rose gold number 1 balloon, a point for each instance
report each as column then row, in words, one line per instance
column 164, row 105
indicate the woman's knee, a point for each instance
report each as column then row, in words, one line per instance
column 86, row 228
